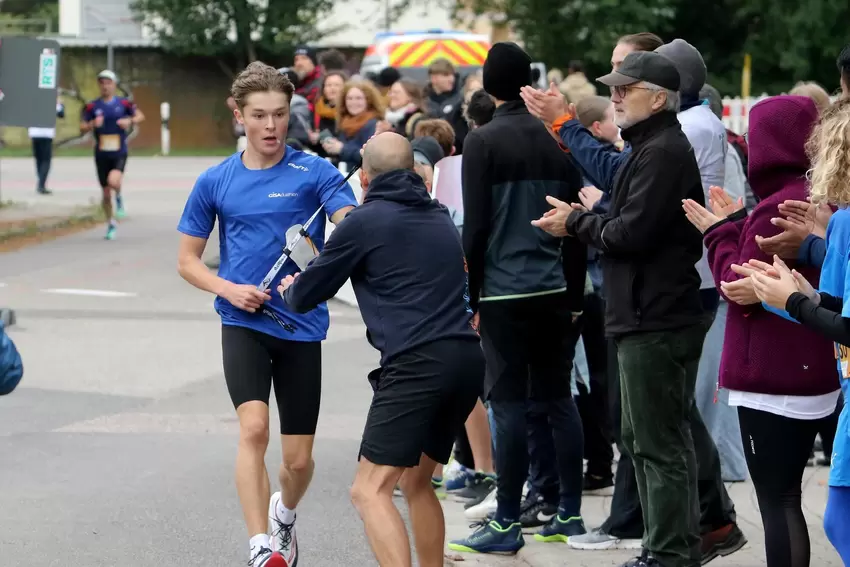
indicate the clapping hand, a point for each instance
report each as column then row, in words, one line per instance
column 801, row 219
column 774, row 288
column 721, row 203
column 589, row 196
column 548, row 105
column 699, row 216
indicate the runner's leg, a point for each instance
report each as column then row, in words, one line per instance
column 103, row 166
column 248, row 373
column 297, row 378
column 115, row 179
column 478, row 431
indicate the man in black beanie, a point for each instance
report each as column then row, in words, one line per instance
column 310, row 79
column 526, row 289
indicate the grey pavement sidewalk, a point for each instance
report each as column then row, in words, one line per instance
column 595, row 510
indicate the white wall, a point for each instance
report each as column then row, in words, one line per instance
column 362, row 19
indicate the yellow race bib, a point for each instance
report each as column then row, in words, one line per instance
column 842, row 354
column 109, row 142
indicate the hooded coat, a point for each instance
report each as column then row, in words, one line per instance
column 763, row 353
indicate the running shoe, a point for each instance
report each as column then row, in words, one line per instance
column 561, row 529
column 265, row 557
column 284, row 540
column 490, row 537
column 536, row 512
column 599, row 540
column 458, row 479
column 110, row 232
column 485, row 509
column 477, row 488
column 120, row 213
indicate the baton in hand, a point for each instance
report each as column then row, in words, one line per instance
column 290, row 246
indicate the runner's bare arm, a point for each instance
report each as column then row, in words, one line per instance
column 337, row 217
column 192, row 269
column 137, row 117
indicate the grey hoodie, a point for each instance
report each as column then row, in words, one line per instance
column 300, row 119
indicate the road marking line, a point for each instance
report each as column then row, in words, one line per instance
column 90, row 292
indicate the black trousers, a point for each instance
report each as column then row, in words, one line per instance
column 42, row 150
column 528, row 345
column 593, row 405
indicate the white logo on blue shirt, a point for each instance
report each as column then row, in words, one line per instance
column 274, row 195
column 301, row 167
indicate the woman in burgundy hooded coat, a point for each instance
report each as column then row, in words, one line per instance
column 779, row 374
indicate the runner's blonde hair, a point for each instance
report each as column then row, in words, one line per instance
column 829, row 150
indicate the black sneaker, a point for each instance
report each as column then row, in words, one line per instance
column 535, row 513
column 477, row 488
column 598, row 485
column 643, row 561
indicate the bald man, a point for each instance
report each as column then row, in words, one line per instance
column 406, row 264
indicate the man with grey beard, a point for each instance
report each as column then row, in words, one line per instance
column 653, row 306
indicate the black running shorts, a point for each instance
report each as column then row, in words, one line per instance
column 255, row 361
column 104, row 163
column 421, row 399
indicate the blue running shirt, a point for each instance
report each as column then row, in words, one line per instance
column 110, row 139
column 255, row 208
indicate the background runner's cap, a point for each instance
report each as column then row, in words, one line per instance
column 107, row 74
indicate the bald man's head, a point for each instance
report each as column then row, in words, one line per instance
column 386, row 152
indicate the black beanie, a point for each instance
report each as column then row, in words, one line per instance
column 308, row 52
column 506, row 70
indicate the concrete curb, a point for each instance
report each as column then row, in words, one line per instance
column 29, row 227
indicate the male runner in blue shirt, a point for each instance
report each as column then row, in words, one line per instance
column 110, row 117
column 257, row 195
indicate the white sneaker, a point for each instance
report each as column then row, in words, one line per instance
column 265, row 557
column 484, row 510
column 283, row 536
column 597, row 540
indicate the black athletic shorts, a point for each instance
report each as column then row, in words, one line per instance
column 421, row 399
column 106, row 163
column 255, row 361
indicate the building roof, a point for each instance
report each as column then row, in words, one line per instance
column 137, row 43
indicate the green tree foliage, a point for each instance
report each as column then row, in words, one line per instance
column 788, row 41
column 30, row 17
column 235, row 32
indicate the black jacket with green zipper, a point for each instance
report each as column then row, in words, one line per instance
column 509, row 167
column 648, row 246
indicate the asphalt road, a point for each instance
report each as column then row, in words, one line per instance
column 118, row 447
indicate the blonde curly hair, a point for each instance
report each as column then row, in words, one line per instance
column 829, row 150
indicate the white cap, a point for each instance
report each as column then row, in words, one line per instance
column 107, row 74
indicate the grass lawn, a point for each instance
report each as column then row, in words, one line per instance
column 87, row 151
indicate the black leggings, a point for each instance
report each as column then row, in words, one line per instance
column 777, row 449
